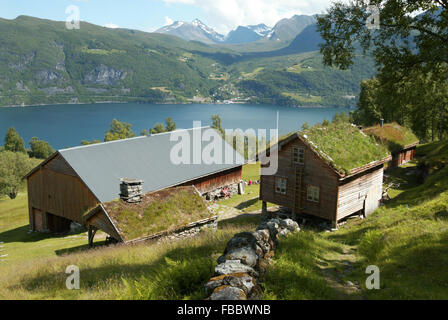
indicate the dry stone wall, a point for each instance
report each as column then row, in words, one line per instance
column 241, row 268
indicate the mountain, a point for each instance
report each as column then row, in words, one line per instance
column 248, row 34
column 41, row 62
column 288, row 29
column 192, row 31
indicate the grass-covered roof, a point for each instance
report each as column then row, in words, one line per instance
column 394, row 136
column 163, row 211
column 343, row 146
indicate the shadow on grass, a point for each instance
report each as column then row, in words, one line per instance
column 22, row 234
column 246, row 204
column 81, row 248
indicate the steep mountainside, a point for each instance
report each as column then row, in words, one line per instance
column 248, row 34
column 41, row 62
column 288, row 29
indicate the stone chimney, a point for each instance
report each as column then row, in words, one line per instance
column 131, row 190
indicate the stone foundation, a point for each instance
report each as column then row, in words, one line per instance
column 241, row 268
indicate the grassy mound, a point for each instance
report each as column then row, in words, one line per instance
column 166, row 210
column 392, row 135
column 344, row 146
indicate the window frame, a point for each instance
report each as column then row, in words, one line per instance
column 313, row 200
column 300, row 152
column 276, row 184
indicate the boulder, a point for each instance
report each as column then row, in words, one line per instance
column 284, row 233
column 264, row 240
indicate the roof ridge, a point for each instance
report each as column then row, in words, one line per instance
column 129, row 139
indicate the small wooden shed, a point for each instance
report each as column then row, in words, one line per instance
column 400, row 141
column 74, row 181
column 330, row 172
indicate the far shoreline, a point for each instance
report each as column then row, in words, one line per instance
column 159, row 103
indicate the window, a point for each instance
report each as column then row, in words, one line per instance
column 280, row 185
column 298, row 155
column 313, row 194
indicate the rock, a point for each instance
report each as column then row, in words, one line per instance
column 264, row 240
column 247, row 255
column 290, row 224
column 231, row 266
column 272, row 227
column 241, row 281
column 228, row 293
column 284, row 233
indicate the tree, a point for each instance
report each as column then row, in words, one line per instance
column 87, row 143
column 119, row 130
column 412, row 34
column 305, row 126
column 170, row 125
column 13, row 142
column 40, row 149
column 13, row 168
column 217, row 124
column 160, row 128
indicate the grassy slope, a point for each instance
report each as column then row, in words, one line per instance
column 407, row 239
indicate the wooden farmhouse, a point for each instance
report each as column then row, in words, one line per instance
column 330, row 172
column 73, row 182
column 400, row 141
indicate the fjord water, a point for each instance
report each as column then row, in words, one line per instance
column 66, row 125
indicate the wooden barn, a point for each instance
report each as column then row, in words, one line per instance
column 74, row 181
column 330, row 172
column 400, row 141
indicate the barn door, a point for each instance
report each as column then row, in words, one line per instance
column 38, row 220
column 372, row 200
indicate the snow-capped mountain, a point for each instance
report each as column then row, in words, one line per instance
column 192, row 31
column 248, row 34
column 284, row 30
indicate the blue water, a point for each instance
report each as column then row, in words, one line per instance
column 67, row 125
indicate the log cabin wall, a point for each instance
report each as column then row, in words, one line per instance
column 354, row 190
column 403, row 156
column 316, row 173
column 215, row 181
column 55, row 191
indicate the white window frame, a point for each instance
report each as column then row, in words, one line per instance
column 313, row 194
column 281, row 185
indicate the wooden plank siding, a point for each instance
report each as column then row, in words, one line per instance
column 403, row 157
column 59, row 194
column 353, row 191
column 316, row 173
column 213, row 182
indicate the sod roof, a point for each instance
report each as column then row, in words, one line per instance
column 163, row 211
column 393, row 136
column 344, row 147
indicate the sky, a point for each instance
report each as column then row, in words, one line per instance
column 149, row 15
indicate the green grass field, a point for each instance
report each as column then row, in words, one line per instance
column 407, row 239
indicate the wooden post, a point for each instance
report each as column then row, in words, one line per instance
column 91, row 231
column 264, row 208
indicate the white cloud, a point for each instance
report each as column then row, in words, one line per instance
column 111, row 26
column 168, row 21
column 224, row 15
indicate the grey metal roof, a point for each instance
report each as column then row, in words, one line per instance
column 101, row 166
